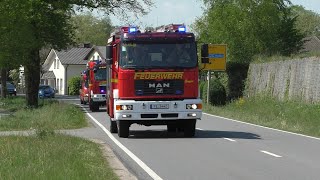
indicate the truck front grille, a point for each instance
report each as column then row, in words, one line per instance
column 164, row 87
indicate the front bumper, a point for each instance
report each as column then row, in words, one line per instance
column 146, row 110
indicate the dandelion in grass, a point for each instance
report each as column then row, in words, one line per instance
column 240, row 102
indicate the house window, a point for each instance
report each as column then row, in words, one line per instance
column 98, row 57
column 58, row 64
column 61, row 84
column 54, row 64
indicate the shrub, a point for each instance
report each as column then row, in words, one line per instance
column 74, row 85
column 217, row 93
column 237, row 74
column 201, row 87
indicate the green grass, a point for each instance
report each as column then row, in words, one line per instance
column 12, row 103
column 290, row 116
column 52, row 157
column 52, row 115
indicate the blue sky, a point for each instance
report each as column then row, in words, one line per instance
column 186, row 11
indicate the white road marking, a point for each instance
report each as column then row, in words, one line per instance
column 200, row 129
column 262, row 126
column 126, row 150
column 271, row 154
column 232, row 140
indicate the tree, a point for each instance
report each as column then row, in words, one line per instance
column 47, row 24
column 91, row 29
column 308, row 22
column 249, row 28
column 15, row 38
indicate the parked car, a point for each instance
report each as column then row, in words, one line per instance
column 46, row 91
column 11, row 89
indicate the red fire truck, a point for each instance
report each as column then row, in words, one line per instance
column 96, row 77
column 152, row 79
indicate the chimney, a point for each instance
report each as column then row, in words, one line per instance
column 87, row 45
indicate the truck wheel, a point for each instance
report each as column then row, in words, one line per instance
column 190, row 128
column 123, row 129
column 95, row 107
column 113, row 126
column 81, row 102
column 171, row 128
column 84, row 102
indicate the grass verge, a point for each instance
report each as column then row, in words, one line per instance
column 289, row 116
column 12, row 103
column 52, row 115
column 52, row 157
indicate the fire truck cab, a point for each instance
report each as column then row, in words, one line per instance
column 96, row 76
column 152, row 79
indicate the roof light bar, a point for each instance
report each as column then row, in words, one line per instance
column 182, row 29
column 132, row 29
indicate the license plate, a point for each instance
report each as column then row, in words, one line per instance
column 159, row 106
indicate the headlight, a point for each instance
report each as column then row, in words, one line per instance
column 95, row 96
column 194, row 106
column 124, row 107
column 86, row 95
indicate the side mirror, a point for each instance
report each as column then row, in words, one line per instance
column 109, row 54
column 204, row 53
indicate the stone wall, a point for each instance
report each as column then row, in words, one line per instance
column 293, row 80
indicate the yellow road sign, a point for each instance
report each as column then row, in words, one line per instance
column 217, row 57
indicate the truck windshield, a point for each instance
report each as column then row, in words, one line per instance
column 100, row 74
column 148, row 56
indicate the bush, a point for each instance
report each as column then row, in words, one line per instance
column 218, row 94
column 74, row 85
column 201, row 87
column 237, row 74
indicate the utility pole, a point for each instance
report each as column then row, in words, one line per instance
column 208, row 89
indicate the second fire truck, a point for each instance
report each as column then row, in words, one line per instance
column 96, row 79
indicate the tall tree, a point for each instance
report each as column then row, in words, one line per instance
column 308, row 22
column 91, row 29
column 15, row 38
column 47, row 23
column 249, row 27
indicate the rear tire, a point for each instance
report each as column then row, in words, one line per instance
column 113, row 126
column 123, row 129
column 190, row 128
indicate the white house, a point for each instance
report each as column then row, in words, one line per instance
column 96, row 53
column 60, row 66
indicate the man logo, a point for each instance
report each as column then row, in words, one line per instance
column 159, row 90
column 159, row 85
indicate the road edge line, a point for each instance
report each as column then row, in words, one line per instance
column 262, row 126
column 126, row 150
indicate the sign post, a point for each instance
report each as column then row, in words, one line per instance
column 213, row 56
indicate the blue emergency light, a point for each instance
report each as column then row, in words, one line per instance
column 132, row 29
column 182, row 29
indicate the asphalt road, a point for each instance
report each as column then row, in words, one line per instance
column 221, row 149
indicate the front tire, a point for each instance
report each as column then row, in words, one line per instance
column 190, row 128
column 123, row 129
column 113, row 126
